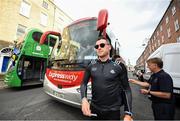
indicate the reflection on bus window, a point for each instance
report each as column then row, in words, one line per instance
column 77, row 45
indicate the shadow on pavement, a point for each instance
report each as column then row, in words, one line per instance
column 23, row 88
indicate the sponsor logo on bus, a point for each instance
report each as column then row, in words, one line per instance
column 70, row 77
column 65, row 78
column 38, row 48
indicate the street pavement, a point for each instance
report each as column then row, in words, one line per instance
column 31, row 103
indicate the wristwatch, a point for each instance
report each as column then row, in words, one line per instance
column 128, row 113
column 84, row 98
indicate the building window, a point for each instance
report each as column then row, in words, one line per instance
column 151, row 40
column 169, row 32
column 157, row 33
column 150, row 49
column 173, row 10
column 44, row 19
column 159, row 42
column 176, row 24
column 45, row 4
column 167, row 19
column 25, row 9
column 178, row 39
column 20, row 30
column 161, row 28
column 154, row 38
column 162, row 39
column 153, row 47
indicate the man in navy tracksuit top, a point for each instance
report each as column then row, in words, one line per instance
column 110, row 87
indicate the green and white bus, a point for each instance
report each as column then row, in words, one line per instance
column 29, row 59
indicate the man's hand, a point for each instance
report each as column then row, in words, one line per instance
column 133, row 81
column 144, row 91
column 128, row 118
column 86, row 107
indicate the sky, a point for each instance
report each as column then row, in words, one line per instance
column 132, row 21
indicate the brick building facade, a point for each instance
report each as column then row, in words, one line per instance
column 167, row 31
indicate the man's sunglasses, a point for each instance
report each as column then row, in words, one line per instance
column 102, row 45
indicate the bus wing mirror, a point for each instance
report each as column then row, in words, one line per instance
column 102, row 20
column 44, row 36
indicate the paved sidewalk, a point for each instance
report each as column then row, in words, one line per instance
column 2, row 84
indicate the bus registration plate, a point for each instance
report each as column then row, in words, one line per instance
column 57, row 94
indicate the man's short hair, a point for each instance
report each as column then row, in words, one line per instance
column 157, row 61
column 115, row 57
column 102, row 37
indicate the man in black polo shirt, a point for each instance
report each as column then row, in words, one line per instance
column 160, row 90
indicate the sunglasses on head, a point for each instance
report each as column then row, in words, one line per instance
column 102, row 45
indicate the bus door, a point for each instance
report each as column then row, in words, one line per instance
column 31, row 70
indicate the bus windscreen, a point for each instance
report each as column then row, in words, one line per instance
column 78, row 42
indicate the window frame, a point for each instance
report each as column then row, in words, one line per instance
column 176, row 25
column 169, row 32
column 161, row 28
column 162, row 39
column 178, row 39
column 45, row 4
column 173, row 10
column 24, row 10
column 20, row 27
column 43, row 19
column 167, row 19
